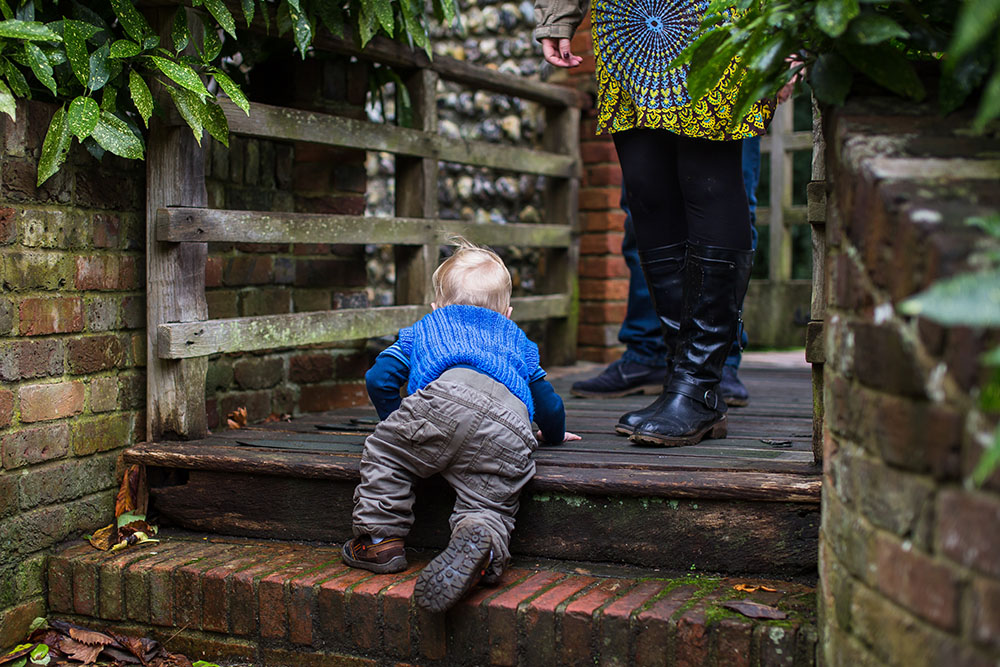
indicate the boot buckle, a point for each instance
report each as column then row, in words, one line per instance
column 712, row 404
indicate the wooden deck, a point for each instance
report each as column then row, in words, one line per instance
column 295, row 480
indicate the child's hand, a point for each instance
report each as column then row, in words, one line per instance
column 567, row 437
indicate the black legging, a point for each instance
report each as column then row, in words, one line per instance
column 684, row 189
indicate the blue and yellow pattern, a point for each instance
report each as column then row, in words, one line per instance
column 634, row 43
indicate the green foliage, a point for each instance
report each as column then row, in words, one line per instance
column 837, row 43
column 101, row 59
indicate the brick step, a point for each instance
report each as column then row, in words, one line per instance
column 282, row 603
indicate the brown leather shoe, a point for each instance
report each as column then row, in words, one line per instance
column 387, row 556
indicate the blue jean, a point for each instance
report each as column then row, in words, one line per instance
column 640, row 332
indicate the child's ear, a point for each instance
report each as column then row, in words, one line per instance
column 510, row 309
column 434, row 306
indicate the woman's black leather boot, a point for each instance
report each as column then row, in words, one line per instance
column 663, row 269
column 690, row 409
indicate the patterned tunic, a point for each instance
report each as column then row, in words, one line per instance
column 634, row 42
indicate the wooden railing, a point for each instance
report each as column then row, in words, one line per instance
column 179, row 226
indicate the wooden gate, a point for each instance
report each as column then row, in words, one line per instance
column 179, row 226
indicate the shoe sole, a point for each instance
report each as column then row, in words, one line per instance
column 454, row 571
column 646, row 389
column 396, row 564
column 621, row 429
column 718, row 430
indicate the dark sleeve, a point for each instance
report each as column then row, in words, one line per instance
column 549, row 413
column 383, row 381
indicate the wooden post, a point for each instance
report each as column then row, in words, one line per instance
column 175, row 274
column 815, row 353
column 562, row 135
column 780, row 262
column 416, row 196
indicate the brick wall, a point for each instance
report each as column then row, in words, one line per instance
column 72, row 348
column 910, row 550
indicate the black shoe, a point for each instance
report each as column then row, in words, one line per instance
column 690, row 409
column 455, row 570
column 732, row 390
column 621, row 378
column 629, row 421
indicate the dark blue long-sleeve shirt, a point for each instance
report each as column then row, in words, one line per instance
column 391, row 372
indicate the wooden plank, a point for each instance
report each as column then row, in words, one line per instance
column 293, row 125
column 791, row 141
column 780, row 257
column 791, row 215
column 175, row 273
column 245, row 334
column 179, row 224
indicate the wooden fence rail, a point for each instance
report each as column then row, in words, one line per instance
column 179, row 226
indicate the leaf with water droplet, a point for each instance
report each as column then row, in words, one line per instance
column 55, row 147
column 40, row 65
column 232, row 90
column 179, row 33
column 28, row 30
column 141, row 96
column 100, row 70
column 114, row 135
column 132, row 21
column 125, row 48
column 76, row 34
column 188, row 104
column 181, row 74
column 222, row 14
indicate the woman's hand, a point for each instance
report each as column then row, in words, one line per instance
column 557, row 52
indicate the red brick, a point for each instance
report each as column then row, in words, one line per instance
column 303, row 592
column 98, row 272
column 598, row 334
column 215, row 589
column 502, row 616
column 731, row 642
column 42, row 402
column 692, row 646
column 40, row 316
column 60, row 578
column 616, row 621
column 611, row 220
column 603, row 267
column 8, row 225
column 14, row 622
column 213, row 272
column 187, row 588
column 276, row 656
column 332, row 608
column 599, row 199
column 362, row 603
column 95, row 353
column 107, row 230
column 602, row 312
column 653, row 626
column 35, row 445
column 322, row 397
column 432, row 633
column 111, row 580
column 337, row 204
column 247, row 270
column 467, row 621
column 985, row 597
column 601, row 244
column 160, row 576
column 6, row 407
column 603, row 174
column 601, row 355
column 776, row 645
column 136, row 583
column 310, row 368
column 538, row 619
column 598, row 151
column 244, row 605
column 968, row 529
column 272, row 592
column 604, row 290
column 85, row 592
column 397, row 626
column 579, row 629
column 31, row 358
column 916, row 582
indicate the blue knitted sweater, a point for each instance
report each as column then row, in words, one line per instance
column 460, row 335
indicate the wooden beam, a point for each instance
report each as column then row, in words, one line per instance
column 179, row 224
column 175, row 275
column 295, row 125
column 246, row 334
column 780, row 257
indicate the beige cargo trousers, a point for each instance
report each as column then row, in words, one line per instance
column 466, row 426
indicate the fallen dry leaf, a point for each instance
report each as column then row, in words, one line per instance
column 85, row 653
column 755, row 609
column 237, row 418
column 104, row 538
column 15, row 654
column 90, row 637
column 275, row 417
column 132, row 496
column 749, row 588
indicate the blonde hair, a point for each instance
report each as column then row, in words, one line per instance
column 473, row 276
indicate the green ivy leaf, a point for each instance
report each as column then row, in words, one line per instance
column 248, row 11
column 28, row 30
column 55, row 147
column 114, row 135
column 366, row 25
column 872, row 28
column 8, row 104
column 830, row 78
column 832, row 16
column 301, row 28
column 109, row 99
column 211, row 44
column 218, row 9
column 183, row 75
column 16, row 80
column 988, row 462
column 83, row 116
column 414, row 26
column 383, row 11
column 189, row 105
column 132, row 21
column 179, row 33
column 125, row 48
column 150, row 42
column 976, row 21
column 232, row 90
column 332, row 16
column 887, row 67
column 76, row 34
column 40, row 65
column 100, row 70
column 214, row 120
column 989, row 104
column 5, row 10
column 141, row 96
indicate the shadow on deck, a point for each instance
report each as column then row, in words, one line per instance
column 747, row 504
